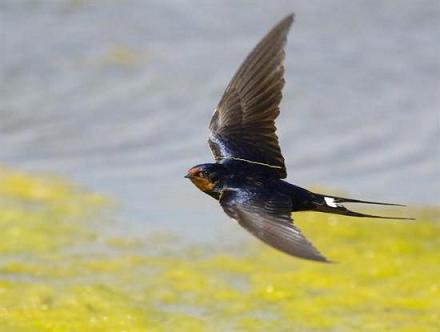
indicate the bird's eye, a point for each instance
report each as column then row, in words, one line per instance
column 203, row 174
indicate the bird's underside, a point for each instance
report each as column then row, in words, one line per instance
column 247, row 176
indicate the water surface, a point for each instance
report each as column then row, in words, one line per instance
column 117, row 95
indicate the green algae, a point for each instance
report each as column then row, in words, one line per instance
column 59, row 272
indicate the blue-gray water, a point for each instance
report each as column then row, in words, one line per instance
column 117, row 95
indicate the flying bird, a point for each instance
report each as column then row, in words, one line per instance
column 246, row 177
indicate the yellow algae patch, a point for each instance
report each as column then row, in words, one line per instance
column 36, row 213
column 59, row 272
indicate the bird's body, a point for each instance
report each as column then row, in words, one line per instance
column 251, row 180
column 247, row 177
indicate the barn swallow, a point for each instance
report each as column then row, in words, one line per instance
column 246, row 177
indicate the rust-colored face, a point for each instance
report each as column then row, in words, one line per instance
column 200, row 179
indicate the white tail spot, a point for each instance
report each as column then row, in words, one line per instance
column 330, row 201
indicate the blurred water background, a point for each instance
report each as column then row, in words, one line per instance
column 117, row 96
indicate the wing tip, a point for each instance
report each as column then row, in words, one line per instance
column 283, row 26
column 318, row 258
column 286, row 22
column 312, row 255
column 289, row 18
column 325, row 260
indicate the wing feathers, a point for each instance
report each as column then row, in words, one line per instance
column 269, row 219
column 281, row 235
column 243, row 125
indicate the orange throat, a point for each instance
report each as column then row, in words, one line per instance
column 203, row 184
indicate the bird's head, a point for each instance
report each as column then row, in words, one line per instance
column 207, row 177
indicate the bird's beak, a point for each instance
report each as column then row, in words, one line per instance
column 191, row 173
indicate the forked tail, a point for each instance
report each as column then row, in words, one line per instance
column 334, row 204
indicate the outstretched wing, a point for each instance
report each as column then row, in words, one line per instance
column 270, row 221
column 243, row 124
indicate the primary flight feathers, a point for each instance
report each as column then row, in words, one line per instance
column 243, row 124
